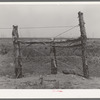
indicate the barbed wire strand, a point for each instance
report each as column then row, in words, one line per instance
column 68, row 65
column 5, row 28
column 39, row 27
column 45, row 27
column 65, row 31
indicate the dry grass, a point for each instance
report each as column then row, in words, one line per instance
column 39, row 63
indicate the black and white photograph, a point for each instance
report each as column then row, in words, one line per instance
column 50, row 46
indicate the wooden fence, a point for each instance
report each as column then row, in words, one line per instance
column 82, row 39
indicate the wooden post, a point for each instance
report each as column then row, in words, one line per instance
column 17, row 53
column 83, row 42
column 53, row 58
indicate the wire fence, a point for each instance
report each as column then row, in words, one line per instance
column 34, row 53
column 38, row 27
column 37, row 56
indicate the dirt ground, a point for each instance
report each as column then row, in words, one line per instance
column 59, row 81
column 36, row 68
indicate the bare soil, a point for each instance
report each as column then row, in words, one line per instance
column 59, row 81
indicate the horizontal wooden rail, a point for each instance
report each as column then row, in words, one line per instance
column 71, row 46
column 40, row 42
column 48, row 42
column 74, row 40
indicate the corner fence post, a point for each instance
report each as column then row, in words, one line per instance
column 53, row 58
column 83, row 42
column 17, row 53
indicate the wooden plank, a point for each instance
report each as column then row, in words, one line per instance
column 74, row 40
column 71, row 46
column 40, row 42
column 48, row 42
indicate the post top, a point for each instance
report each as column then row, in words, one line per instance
column 15, row 26
column 80, row 13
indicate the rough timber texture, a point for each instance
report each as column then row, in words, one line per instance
column 83, row 42
column 17, row 53
column 53, row 59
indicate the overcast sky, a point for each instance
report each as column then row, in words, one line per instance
column 37, row 15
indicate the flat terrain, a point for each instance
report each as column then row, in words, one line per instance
column 59, row 81
column 36, row 62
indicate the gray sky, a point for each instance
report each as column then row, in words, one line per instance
column 49, row 15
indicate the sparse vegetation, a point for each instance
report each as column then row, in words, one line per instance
column 35, row 64
column 4, row 49
column 32, row 60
